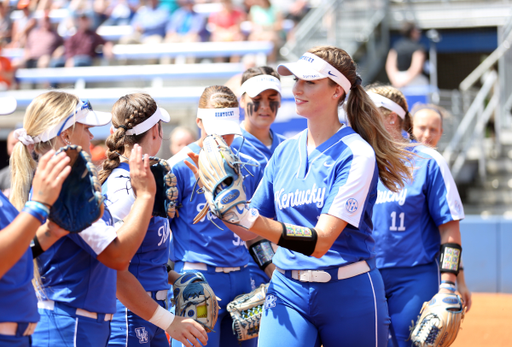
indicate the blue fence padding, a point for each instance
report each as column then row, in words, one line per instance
column 480, row 253
column 505, row 256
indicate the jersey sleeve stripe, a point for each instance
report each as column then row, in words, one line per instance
column 349, row 202
column 452, row 194
column 99, row 235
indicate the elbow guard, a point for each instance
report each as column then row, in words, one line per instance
column 449, row 259
column 262, row 253
column 299, row 239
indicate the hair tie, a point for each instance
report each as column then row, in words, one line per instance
column 22, row 136
column 358, row 81
column 123, row 127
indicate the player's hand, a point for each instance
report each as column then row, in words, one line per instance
column 51, row 172
column 142, row 179
column 194, row 168
column 465, row 294
column 187, row 331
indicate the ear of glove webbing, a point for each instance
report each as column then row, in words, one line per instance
column 80, row 202
column 166, row 188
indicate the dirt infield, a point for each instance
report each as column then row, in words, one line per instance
column 489, row 323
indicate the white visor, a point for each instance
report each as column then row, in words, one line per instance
column 220, row 121
column 311, row 67
column 7, row 105
column 382, row 101
column 83, row 114
column 159, row 115
column 255, row 85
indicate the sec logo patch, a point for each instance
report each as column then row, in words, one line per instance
column 351, row 205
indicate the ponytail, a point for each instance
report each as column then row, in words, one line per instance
column 392, row 156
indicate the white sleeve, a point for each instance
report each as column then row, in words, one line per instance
column 119, row 194
column 99, row 235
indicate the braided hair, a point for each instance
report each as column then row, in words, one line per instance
column 129, row 111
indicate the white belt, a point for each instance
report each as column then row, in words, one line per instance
column 321, row 276
column 160, row 295
column 50, row 305
column 9, row 329
column 204, row 267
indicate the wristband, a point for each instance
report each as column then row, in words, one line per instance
column 298, row 239
column 449, row 258
column 162, row 318
column 35, row 247
column 37, row 210
column 449, row 282
column 262, row 253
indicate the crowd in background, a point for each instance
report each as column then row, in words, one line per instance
column 58, row 33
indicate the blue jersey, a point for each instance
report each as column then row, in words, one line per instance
column 149, row 264
column 338, row 178
column 71, row 274
column 18, row 300
column 255, row 148
column 204, row 242
column 406, row 224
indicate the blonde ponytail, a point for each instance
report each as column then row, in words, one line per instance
column 44, row 112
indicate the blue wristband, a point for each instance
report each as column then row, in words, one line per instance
column 37, row 210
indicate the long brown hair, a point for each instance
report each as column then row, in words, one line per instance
column 127, row 112
column 365, row 119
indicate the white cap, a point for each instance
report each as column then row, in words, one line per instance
column 7, row 105
column 159, row 115
column 220, row 121
column 83, row 114
column 257, row 84
column 382, row 101
column 311, row 67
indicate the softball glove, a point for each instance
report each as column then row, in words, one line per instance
column 246, row 311
column 166, row 188
column 80, row 202
column 219, row 172
column 194, row 298
column 439, row 321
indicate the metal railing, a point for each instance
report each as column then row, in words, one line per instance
column 359, row 27
column 493, row 99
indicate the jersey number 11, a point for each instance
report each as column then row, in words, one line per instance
column 393, row 226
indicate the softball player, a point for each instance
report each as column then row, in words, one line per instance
column 412, row 225
column 321, row 186
column 78, row 277
column 19, row 316
column 260, row 99
column 209, row 246
column 141, row 317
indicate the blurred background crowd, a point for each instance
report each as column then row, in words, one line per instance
column 64, row 33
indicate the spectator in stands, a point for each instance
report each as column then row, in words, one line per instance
column 42, row 43
column 427, row 123
column 121, row 12
column 5, row 173
column 404, row 64
column 181, row 137
column 225, row 24
column 6, row 72
column 149, row 24
column 186, row 25
column 266, row 24
column 5, row 23
column 81, row 48
column 94, row 8
column 22, row 26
